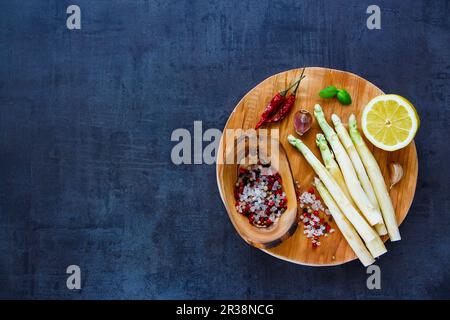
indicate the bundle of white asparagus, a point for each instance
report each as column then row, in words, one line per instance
column 352, row 187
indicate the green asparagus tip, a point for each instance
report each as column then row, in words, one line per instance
column 352, row 121
column 320, row 138
column 321, row 142
column 336, row 120
column 353, row 129
column 292, row 140
column 318, row 113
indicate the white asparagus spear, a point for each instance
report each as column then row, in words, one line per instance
column 361, row 225
column 376, row 177
column 381, row 229
column 347, row 142
column 345, row 226
column 376, row 246
column 351, row 179
column 332, row 166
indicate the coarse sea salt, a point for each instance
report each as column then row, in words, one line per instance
column 259, row 195
column 314, row 225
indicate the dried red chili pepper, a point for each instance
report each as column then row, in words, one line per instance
column 287, row 104
column 274, row 105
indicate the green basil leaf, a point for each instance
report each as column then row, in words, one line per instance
column 328, row 92
column 344, row 97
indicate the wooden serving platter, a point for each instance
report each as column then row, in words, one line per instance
column 334, row 249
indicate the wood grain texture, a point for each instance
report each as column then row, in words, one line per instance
column 334, row 249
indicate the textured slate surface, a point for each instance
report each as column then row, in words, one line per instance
column 85, row 124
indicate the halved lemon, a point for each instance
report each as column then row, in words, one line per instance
column 390, row 122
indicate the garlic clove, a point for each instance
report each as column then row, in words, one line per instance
column 302, row 121
column 395, row 173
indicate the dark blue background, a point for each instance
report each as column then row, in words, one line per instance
column 85, row 124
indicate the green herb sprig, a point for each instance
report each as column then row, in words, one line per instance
column 341, row 94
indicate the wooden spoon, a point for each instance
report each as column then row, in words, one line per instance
column 286, row 224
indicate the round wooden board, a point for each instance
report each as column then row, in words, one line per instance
column 334, row 249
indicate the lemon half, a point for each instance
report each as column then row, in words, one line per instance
column 390, row 122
